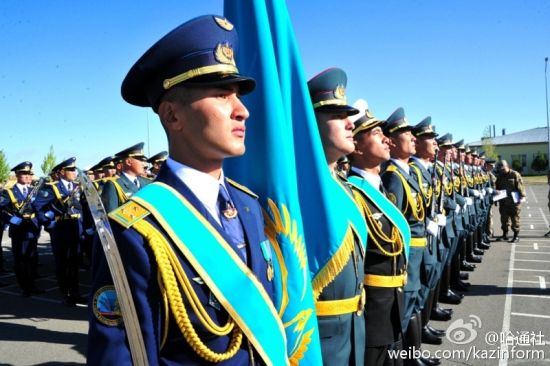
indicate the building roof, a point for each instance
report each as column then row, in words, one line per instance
column 532, row 136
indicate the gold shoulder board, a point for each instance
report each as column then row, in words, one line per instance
column 128, row 214
column 241, row 188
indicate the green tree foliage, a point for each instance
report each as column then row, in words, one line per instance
column 540, row 163
column 4, row 168
column 49, row 162
column 488, row 145
column 516, row 165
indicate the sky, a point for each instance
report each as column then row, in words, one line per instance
column 469, row 64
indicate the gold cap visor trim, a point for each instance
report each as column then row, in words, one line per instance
column 212, row 69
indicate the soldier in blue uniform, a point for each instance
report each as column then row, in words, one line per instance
column 405, row 193
column 116, row 191
column 192, row 242
column 24, row 227
column 156, row 162
column 387, row 246
column 342, row 331
column 59, row 209
column 421, row 166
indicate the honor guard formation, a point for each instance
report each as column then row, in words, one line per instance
column 197, row 262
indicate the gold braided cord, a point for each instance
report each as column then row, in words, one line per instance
column 417, row 208
column 166, row 308
column 376, row 231
column 426, row 193
column 173, row 277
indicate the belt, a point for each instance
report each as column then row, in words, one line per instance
column 385, row 281
column 418, row 242
column 341, row 307
column 68, row 217
column 28, row 216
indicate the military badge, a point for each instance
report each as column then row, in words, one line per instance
column 224, row 54
column 106, row 307
column 392, row 198
column 224, row 23
column 340, row 92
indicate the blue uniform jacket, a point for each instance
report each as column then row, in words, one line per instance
column 50, row 208
column 109, row 195
column 107, row 344
column 29, row 228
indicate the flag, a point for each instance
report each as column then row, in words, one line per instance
column 311, row 220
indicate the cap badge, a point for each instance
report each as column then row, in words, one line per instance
column 369, row 114
column 224, row 54
column 340, row 92
column 224, row 23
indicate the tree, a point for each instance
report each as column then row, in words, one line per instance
column 4, row 168
column 540, row 163
column 49, row 162
column 516, row 165
column 488, row 145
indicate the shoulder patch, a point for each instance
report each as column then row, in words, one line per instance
column 128, row 214
column 241, row 188
column 393, row 198
column 106, row 307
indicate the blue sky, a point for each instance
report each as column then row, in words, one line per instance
column 469, row 64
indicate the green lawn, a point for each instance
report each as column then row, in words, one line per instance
column 536, row 179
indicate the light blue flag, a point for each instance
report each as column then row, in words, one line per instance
column 306, row 207
column 269, row 169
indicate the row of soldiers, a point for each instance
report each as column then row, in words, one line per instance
column 56, row 203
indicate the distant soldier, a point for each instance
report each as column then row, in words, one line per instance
column 509, row 207
column 59, row 209
column 156, row 162
column 117, row 191
column 24, row 228
column 489, row 166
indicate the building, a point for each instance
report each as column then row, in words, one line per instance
column 520, row 147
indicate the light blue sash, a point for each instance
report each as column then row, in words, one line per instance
column 392, row 213
column 225, row 274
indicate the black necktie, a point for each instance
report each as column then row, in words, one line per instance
column 136, row 182
column 230, row 222
column 69, row 186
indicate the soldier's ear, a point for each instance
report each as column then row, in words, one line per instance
column 169, row 117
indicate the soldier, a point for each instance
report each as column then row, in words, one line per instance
column 489, row 165
column 342, row 331
column 116, row 191
column 421, row 167
column 156, row 162
column 387, row 246
column 509, row 207
column 198, row 241
column 59, row 209
column 24, row 228
column 405, row 193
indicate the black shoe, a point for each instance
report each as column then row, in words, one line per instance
column 486, row 239
column 465, row 266
column 437, row 332
column 547, row 234
column 69, row 302
column 477, row 251
column 460, row 286
column 440, row 315
column 474, row 258
column 502, row 238
column 450, row 298
column 430, row 338
column 515, row 239
column 4, row 284
column 464, row 276
column 484, row 246
column 26, row 293
column 80, row 300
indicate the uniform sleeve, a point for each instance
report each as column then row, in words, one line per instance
column 521, row 187
column 109, row 196
column 394, row 188
column 43, row 205
column 107, row 340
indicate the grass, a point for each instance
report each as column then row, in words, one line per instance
column 535, row 179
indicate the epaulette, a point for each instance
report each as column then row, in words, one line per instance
column 128, row 214
column 241, row 188
column 52, row 183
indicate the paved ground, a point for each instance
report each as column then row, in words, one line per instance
column 509, row 298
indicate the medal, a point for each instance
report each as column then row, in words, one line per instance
column 230, row 212
column 270, row 273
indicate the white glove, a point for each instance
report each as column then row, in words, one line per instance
column 469, row 201
column 50, row 215
column 51, row 225
column 431, row 227
column 441, row 220
column 457, row 209
column 16, row 220
column 489, row 190
column 476, row 193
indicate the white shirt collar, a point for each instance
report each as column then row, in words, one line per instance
column 22, row 186
column 373, row 179
column 425, row 164
column 203, row 185
column 66, row 184
column 130, row 178
column 402, row 165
